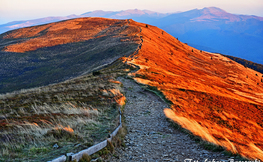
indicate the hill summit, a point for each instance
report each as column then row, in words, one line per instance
column 55, row 52
column 210, row 95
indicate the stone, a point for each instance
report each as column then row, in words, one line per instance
column 56, row 146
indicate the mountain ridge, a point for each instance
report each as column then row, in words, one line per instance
column 48, row 51
column 118, row 14
column 97, row 13
column 235, row 35
column 214, row 97
column 207, row 28
column 214, row 12
column 208, row 91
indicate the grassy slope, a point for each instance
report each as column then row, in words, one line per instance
column 27, row 62
column 74, row 114
column 246, row 63
column 213, row 96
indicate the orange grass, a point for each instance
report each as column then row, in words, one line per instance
column 68, row 128
column 213, row 97
column 63, row 32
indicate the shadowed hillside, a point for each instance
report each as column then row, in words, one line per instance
column 42, row 123
column 40, row 55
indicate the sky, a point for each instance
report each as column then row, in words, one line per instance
column 14, row 10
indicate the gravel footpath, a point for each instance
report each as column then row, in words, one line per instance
column 150, row 136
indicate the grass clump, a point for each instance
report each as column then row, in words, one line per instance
column 85, row 158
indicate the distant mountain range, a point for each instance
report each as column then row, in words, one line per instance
column 211, row 29
column 26, row 23
column 142, row 15
column 215, row 30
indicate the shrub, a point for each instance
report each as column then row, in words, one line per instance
column 110, row 146
column 85, row 158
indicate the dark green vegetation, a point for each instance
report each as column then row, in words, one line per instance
column 246, row 63
column 43, row 123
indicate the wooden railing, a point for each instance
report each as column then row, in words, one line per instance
column 91, row 150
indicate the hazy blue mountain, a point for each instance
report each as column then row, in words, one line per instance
column 211, row 29
column 21, row 24
column 145, row 16
column 215, row 30
column 126, row 14
column 99, row 13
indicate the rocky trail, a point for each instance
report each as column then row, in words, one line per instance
column 151, row 137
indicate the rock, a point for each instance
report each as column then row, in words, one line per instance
column 69, row 154
column 56, row 146
column 2, row 117
column 152, row 133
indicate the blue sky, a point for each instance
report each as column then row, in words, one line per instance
column 12, row 10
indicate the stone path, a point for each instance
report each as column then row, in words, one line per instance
column 150, row 136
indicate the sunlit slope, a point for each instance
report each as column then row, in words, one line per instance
column 40, row 55
column 63, row 32
column 214, row 97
